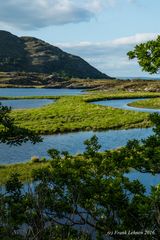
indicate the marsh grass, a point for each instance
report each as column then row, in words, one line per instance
column 24, row 169
column 75, row 113
column 148, row 103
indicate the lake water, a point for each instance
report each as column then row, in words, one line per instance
column 16, row 92
column 26, row 103
column 123, row 104
column 147, row 179
column 72, row 142
column 33, row 103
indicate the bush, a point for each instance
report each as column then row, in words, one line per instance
column 43, row 159
column 35, row 159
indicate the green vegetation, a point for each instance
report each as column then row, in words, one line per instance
column 73, row 113
column 88, row 189
column 91, row 189
column 24, row 169
column 29, row 97
column 149, row 103
column 12, row 134
column 148, row 55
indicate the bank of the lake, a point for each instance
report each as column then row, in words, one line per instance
column 19, row 92
column 26, row 103
column 23, row 169
column 42, row 81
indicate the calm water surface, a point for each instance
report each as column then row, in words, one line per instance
column 15, row 92
column 146, row 179
column 33, row 103
column 122, row 103
column 26, row 103
column 72, row 142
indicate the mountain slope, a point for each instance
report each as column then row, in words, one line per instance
column 30, row 54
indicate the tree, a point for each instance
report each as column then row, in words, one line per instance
column 12, row 134
column 148, row 55
column 88, row 190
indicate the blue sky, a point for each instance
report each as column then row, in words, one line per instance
column 100, row 31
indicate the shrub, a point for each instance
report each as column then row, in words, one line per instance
column 35, row 159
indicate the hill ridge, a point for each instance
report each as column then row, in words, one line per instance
column 30, row 54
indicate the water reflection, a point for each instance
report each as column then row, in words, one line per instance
column 123, row 104
column 72, row 142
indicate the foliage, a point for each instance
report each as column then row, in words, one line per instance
column 35, row 159
column 24, row 170
column 12, row 134
column 90, row 193
column 148, row 55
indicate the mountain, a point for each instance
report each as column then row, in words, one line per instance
column 29, row 54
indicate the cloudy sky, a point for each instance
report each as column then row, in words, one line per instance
column 100, row 31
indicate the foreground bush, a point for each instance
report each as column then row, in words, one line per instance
column 87, row 196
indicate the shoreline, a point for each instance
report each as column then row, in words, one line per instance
column 77, row 113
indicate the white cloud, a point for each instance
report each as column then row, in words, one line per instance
column 111, row 56
column 135, row 39
column 138, row 38
column 32, row 14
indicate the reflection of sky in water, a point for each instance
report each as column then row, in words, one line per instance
column 146, row 179
column 72, row 142
column 13, row 92
column 26, row 103
column 122, row 103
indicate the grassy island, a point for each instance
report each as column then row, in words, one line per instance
column 75, row 113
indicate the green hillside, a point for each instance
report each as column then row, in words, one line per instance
column 28, row 54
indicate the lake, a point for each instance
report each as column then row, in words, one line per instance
column 71, row 142
column 17, row 92
column 26, row 103
column 123, row 104
column 147, row 179
column 33, row 103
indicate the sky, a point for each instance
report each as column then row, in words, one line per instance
column 99, row 31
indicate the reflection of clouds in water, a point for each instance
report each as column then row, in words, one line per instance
column 71, row 142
